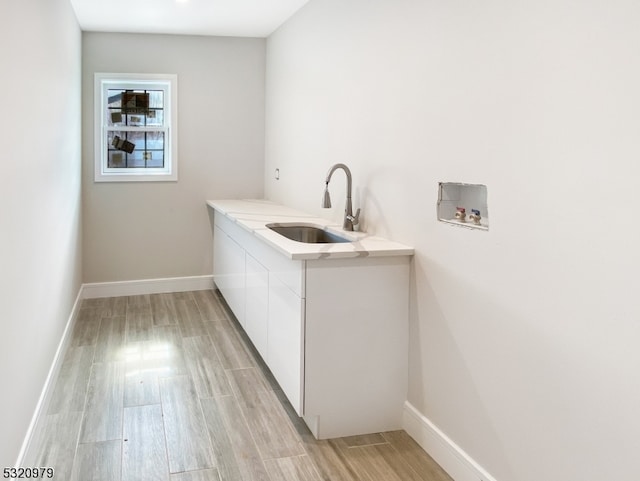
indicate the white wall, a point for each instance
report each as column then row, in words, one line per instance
column 40, row 243
column 161, row 229
column 524, row 339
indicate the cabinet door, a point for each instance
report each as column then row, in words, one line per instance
column 257, row 303
column 285, row 354
column 229, row 271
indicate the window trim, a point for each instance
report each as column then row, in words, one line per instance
column 168, row 173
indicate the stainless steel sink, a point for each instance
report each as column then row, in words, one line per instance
column 306, row 233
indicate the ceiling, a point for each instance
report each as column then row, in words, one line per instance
column 235, row 18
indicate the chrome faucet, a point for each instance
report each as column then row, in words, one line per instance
column 349, row 219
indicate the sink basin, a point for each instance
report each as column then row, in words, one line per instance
column 306, row 233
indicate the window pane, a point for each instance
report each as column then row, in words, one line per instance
column 155, row 118
column 155, row 158
column 122, row 141
column 137, row 139
column 135, row 120
column 117, row 160
column 114, row 99
column 115, row 118
column 155, row 141
column 156, row 99
column 136, row 159
column 135, row 102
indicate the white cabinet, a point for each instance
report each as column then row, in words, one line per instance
column 263, row 289
column 334, row 332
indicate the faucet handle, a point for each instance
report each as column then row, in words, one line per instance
column 355, row 219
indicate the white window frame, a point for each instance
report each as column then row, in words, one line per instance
column 167, row 82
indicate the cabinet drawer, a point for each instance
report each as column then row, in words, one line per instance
column 233, row 230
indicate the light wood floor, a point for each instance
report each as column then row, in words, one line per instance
column 167, row 387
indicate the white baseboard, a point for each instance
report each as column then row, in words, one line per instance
column 146, row 286
column 49, row 385
column 457, row 463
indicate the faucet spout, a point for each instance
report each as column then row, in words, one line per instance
column 349, row 219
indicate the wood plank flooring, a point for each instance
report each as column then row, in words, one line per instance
column 167, row 387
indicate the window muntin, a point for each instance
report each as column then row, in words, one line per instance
column 135, row 127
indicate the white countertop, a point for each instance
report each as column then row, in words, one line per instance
column 254, row 215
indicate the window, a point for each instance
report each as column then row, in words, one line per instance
column 135, row 127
